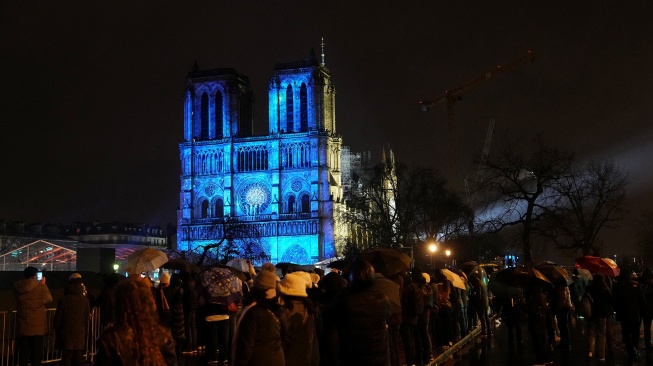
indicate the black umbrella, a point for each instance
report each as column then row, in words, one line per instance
column 555, row 273
column 472, row 268
column 521, row 276
column 387, row 261
column 182, row 265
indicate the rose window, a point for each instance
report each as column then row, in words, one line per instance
column 296, row 185
column 255, row 199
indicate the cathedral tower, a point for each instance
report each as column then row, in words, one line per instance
column 284, row 186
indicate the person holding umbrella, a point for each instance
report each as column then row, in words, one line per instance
column 630, row 305
column 257, row 338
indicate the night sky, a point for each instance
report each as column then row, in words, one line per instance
column 92, row 92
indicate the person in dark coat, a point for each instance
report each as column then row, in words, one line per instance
column 298, row 334
column 257, row 338
column 31, row 322
column 362, row 318
column 191, row 304
column 411, row 305
column 106, row 301
column 392, row 287
column 630, row 305
column 538, row 308
column 646, row 281
column 71, row 322
column 137, row 337
column 330, row 285
column 601, row 299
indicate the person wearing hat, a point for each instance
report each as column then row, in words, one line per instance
column 257, row 338
column 361, row 317
column 71, row 321
column 162, row 295
column 31, row 322
column 299, row 340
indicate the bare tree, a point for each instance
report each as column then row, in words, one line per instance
column 591, row 199
column 229, row 238
column 403, row 206
column 519, row 188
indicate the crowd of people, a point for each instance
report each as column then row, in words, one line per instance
column 354, row 317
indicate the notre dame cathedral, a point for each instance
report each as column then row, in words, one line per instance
column 285, row 186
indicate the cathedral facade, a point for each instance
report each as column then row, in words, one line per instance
column 281, row 189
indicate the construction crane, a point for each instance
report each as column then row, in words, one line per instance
column 452, row 96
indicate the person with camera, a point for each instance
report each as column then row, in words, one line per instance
column 31, row 323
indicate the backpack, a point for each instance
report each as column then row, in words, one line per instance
column 585, row 306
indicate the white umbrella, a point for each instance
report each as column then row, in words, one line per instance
column 454, row 278
column 239, row 264
column 145, row 260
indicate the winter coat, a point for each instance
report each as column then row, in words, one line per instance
column 31, row 297
column 72, row 318
column 362, row 316
column 390, row 289
column 258, row 338
column 601, row 301
column 629, row 301
column 115, row 347
column 299, row 337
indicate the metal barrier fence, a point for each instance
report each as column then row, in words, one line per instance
column 9, row 344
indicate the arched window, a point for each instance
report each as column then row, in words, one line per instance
column 291, row 204
column 205, row 209
column 219, row 133
column 219, row 208
column 306, row 204
column 303, row 108
column 290, row 112
column 204, row 117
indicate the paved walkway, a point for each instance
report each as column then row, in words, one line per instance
column 494, row 350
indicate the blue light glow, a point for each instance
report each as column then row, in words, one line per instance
column 256, row 179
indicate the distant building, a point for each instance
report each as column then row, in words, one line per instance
column 117, row 233
column 54, row 247
column 283, row 186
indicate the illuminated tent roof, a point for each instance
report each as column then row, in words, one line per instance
column 56, row 255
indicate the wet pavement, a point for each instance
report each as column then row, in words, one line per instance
column 495, row 350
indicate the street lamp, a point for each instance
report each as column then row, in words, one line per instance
column 433, row 247
column 448, row 253
column 115, row 267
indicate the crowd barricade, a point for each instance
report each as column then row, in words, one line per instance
column 9, row 345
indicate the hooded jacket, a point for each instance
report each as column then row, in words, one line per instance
column 72, row 318
column 31, row 297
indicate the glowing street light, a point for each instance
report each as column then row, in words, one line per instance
column 115, row 267
column 433, row 247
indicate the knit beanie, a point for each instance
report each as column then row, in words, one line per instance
column 265, row 280
column 269, row 267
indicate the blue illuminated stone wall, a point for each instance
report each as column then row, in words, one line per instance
column 285, row 184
